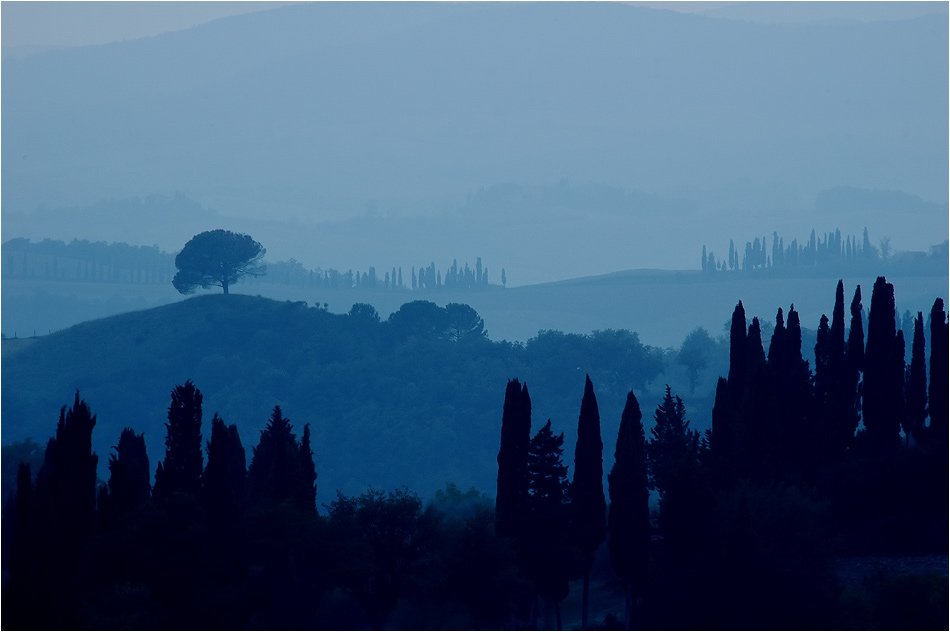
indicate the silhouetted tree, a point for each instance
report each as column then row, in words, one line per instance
column 839, row 403
column 723, row 436
column 881, row 388
column 628, row 519
column 279, row 470
column 547, row 521
column 916, row 385
column 588, row 505
column 512, row 492
column 217, row 258
column 387, row 537
column 464, row 323
column 63, row 521
column 128, row 476
column 180, row 471
column 224, row 482
column 938, row 390
column 672, row 443
column 308, row 472
column 66, row 484
column 854, row 366
column 737, row 353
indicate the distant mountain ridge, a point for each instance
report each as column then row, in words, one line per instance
column 378, row 100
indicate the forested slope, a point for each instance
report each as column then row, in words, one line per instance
column 411, row 400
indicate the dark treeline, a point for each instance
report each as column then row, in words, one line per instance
column 801, row 468
column 830, row 253
column 101, row 262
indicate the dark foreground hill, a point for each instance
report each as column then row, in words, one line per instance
column 399, row 402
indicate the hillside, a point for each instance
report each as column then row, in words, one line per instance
column 387, row 405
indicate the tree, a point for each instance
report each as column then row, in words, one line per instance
column 217, row 258
column 464, row 323
column 279, row 469
column 386, row 538
column 916, row 386
column 419, row 318
column 66, row 484
column 588, row 505
column 180, row 472
column 628, row 520
column 547, row 520
column 512, row 492
column 938, row 429
column 694, row 354
column 854, row 365
column 224, row 481
column 128, row 476
column 882, row 388
column 672, row 444
column 737, row 354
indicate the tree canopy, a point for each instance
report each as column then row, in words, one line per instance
column 217, row 258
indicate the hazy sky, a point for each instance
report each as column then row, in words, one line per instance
column 84, row 23
column 64, row 24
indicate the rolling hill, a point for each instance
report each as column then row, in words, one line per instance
column 387, row 406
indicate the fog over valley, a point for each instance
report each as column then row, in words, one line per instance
column 475, row 315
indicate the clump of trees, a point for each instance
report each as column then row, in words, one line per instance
column 822, row 252
column 428, row 277
column 801, row 465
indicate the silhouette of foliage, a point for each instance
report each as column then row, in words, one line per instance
column 180, row 471
column 217, row 258
column 588, row 505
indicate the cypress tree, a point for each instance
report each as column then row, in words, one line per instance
column 737, row 353
column 512, row 491
column 897, row 371
column 839, row 406
column 822, row 363
column 777, row 343
column 308, row 472
column 881, row 388
column 755, row 429
column 224, row 483
column 63, row 521
column 180, row 471
column 588, row 505
column 836, row 335
column 854, row 366
column 128, row 476
column 628, row 519
column 938, row 391
column 723, row 436
column 66, row 483
column 917, row 384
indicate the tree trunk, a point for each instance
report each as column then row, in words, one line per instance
column 224, row 284
column 557, row 614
